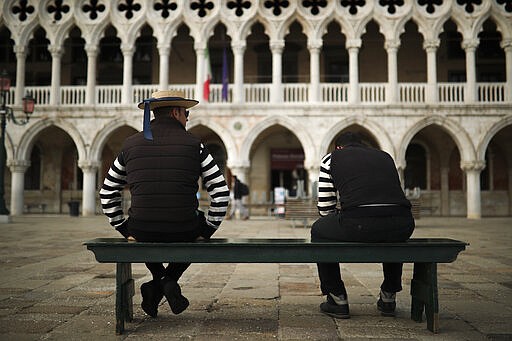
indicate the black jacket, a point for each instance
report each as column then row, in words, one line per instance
column 163, row 177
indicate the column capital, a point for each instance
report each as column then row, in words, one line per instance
column 474, row 165
column 55, row 50
column 20, row 49
column 18, row 166
column 392, row 45
column 314, row 44
column 277, row 46
column 91, row 50
column 431, row 45
column 470, row 44
column 353, row 44
column 238, row 46
column 506, row 44
column 127, row 49
column 163, row 49
column 89, row 165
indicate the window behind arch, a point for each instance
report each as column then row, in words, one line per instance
column 33, row 173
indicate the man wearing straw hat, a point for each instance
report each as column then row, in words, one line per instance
column 162, row 166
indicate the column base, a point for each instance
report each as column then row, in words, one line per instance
column 5, row 219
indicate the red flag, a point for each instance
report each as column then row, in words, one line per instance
column 207, row 76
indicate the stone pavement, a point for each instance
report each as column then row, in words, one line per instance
column 51, row 288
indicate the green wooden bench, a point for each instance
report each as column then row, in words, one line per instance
column 424, row 253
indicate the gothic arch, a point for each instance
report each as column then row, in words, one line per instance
column 223, row 133
column 299, row 131
column 378, row 131
column 27, row 139
column 455, row 130
column 103, row 135
column 491, row 132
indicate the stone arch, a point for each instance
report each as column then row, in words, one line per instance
column 491, row 132
column 378, row 131
column 27, row 139
column 223, row 133
column 103, row 135
column 246, row 28
column 455, row 130
column 299, row 131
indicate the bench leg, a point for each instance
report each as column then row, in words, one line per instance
column 125, row 290
column 424, row 295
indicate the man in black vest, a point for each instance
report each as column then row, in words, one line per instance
column 373, row 209
column 162, row 166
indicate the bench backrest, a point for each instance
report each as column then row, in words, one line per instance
column 255, row 250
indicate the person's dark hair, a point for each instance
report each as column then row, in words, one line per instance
column 161, row 111
column 348, row 138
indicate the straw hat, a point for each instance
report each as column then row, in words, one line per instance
column 163, row 98
column 168, row 98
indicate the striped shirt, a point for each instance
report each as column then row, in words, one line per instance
column 115, row 181
column 327, row 193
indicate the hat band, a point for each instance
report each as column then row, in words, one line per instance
column 146, row 126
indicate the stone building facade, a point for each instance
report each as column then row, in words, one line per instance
column 429, row 82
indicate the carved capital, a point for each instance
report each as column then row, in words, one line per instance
column 91, row 50
column 277, row 46
column 474, row 165
column 238, row 47
column 56, row 51
column 470, row 45
column 392, row 45
column 18, row 166
column 353, row 44
column 431, row 45
column 89, row 166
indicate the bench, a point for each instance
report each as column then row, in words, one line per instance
column 424, row 253
column 300, row 209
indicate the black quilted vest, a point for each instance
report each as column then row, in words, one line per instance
column 366, row 176
column 163, row 177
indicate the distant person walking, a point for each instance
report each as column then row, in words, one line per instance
column 238, row 191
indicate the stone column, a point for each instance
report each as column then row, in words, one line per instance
column 313, row 173
column 473, row 169
column 431, row 47
column 126, row 95
column 314, row 47
column 163, row 73
column 90, row 92
column 507, row 46
column 444, row 200
column 276, row 95
column 353, row 46
column 18, row 169
column 509, row 190
column 242, row 173
column 238, row 90
column 56, row 52
column 471, row 90
column 90, row 170
column 21, row 56
column 392, row 91
column 200, row 61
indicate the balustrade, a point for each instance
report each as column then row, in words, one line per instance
column 372, row 93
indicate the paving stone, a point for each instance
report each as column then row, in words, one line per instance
column 54, row 289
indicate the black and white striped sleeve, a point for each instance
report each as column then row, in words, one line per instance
column 327, row 198
column 110, row 193
column 216, row 187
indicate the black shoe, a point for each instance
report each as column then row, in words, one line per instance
column 151, row 296
column 336, row 306
column 172, row 292
column 386, row 304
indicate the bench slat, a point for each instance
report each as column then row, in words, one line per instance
column 438, row 250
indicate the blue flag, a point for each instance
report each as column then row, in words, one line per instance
column 225, row 76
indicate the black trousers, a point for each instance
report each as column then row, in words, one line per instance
column 173, row 270
column 358, row 228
